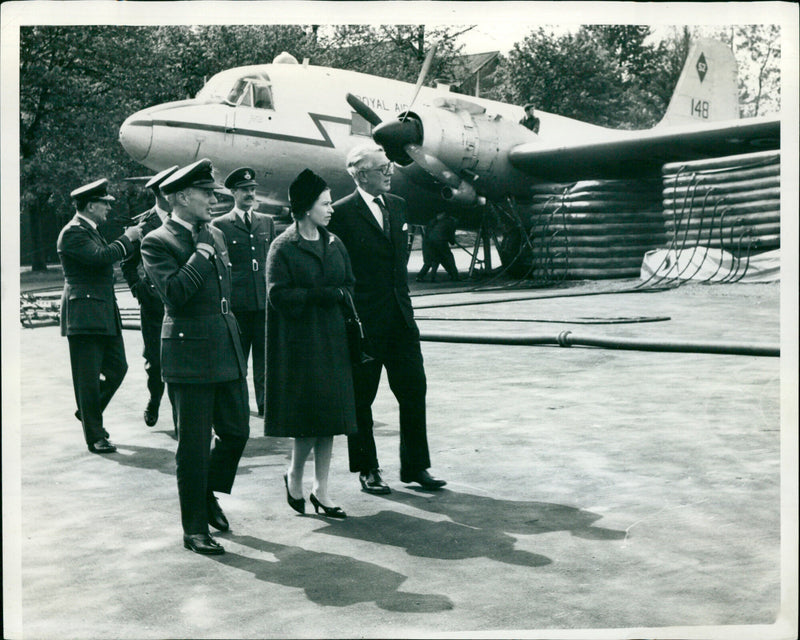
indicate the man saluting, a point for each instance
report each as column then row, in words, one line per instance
column 201, row 357
column 89, row 312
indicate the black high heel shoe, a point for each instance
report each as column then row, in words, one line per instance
column 298, row 504
column 331, row 512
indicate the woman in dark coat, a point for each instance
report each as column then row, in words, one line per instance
column 309, row 377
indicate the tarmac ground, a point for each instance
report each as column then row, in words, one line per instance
column 634, row 494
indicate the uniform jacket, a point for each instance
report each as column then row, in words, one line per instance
column 132, row 269
column 200, row 336
column 88, row 304
column 248, row 253
column 309, row 379
column 379, row 264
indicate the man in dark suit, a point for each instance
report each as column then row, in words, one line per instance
column 372, row 225
column 201, row 356
column 89, row 313
column 151, row 309
column 248, row 234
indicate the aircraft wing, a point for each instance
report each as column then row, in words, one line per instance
column 632, row 153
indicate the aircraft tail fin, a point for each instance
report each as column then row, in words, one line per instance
column 707, row 89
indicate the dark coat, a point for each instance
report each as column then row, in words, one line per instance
column 133, row 271
column 379, row 264
column 248, row 253
column 309, row 376
column 439, row 235
column 200, row 336
column 88, row 304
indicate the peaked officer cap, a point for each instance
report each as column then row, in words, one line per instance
column 304, row 191
column 157, row 179
column 97, row 190
column 240, row 178
column 198, row 174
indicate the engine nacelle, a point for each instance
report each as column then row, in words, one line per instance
column 472, row 143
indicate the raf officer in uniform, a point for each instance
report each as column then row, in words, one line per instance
column 89, row 313
column 201, row 356
column 248, row 235
column 151, row 309
column 372, row 225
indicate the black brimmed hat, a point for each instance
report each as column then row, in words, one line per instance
column 157, row 179
column 198, row 174
column 241, row 178
column 304, row 191
column 92, row 192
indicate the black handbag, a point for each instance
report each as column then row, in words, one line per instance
column 355, row 332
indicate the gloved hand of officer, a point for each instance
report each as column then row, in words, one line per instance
column 205, row 242
column 325, row 296
column 133, row 233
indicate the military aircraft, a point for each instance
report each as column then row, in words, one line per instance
column 452, row 151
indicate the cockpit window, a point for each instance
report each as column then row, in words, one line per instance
column 250, row 90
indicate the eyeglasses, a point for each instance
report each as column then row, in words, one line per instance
column 386, row 169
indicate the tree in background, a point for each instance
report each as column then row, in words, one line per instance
column 621, row 76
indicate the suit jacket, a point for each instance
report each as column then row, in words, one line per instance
column 200, row 336
column 133, row 270
column 88, row 304
column 379, row 263
column 248, row 253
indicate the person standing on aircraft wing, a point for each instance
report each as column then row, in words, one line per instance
column 372, row 225
column 248, row 235
column 530, row 121
column 151, row 309
column 89, row 313
column 201, row 355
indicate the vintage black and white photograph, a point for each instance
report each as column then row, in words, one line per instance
column 399, row 320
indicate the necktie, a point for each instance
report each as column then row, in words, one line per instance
column 385, row 212
column 247, row 219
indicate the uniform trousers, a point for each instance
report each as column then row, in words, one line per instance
column 200, row 468
column 151, row 317
column 251, row 328
column 399, row 352
column 98, row 367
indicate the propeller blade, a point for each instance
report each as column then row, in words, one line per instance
column 363, row 110
column 426, row 65
column 432, row 165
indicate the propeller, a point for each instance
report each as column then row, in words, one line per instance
column 423, row 72
column 402, row 141
column 363, row 110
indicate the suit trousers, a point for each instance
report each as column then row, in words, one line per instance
column 399, row 352
column 151, row 315
column 91, row 357
column 251, row 327
column 151, row 318
column 200, row 468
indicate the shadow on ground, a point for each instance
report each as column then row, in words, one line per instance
column 332, row 580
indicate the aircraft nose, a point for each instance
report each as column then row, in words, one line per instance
column 136, row 135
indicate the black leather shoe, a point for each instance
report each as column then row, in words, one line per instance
column 151, row 414
column 372, row 482
column 331, row 512
column 216, row 517
column 102, row 446
column 424, row 479
column 202, row 543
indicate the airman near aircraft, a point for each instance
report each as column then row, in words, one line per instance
column 151, row 308
column 248, row 234
column 201, row 355
column 89, row 313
